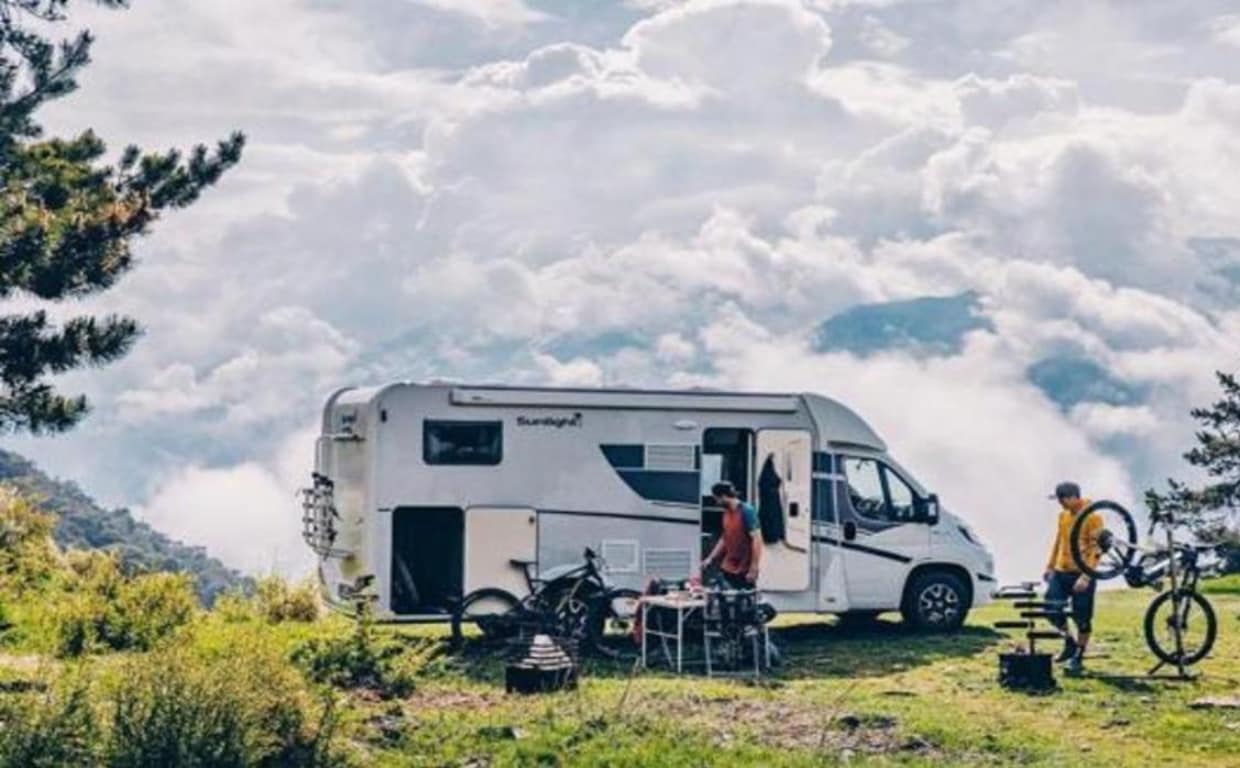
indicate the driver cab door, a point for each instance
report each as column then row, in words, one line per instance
column 783, row 478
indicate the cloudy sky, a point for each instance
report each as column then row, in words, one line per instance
column 1005, row 231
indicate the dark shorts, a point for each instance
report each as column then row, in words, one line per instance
column 1080, row 604
column 736, row 580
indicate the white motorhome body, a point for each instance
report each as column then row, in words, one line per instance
column 427, row 491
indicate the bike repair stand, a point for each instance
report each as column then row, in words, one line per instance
column 1027, row 669
column 1181, row 674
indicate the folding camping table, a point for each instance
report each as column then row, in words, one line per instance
column 683, row 604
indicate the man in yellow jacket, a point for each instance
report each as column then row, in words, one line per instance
column 1064, row 581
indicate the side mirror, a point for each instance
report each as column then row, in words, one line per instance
column 929, row 512
column 850, row 531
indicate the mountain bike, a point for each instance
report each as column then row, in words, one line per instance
column 1180, row 625
column 575, row 602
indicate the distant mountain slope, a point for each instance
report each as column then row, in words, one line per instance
column 83, row 524
column 933, row 325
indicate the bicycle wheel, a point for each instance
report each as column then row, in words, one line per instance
column 484, row 608
column 1193, row 615
column 612, row 619
column 1105, row 531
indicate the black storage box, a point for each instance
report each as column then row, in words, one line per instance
column 541, row 664
column 1026, row 671
column 519, row 679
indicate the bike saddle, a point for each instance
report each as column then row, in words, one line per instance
column 521, row 563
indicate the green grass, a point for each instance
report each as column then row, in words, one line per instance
column 877, row 696
column 912, row 700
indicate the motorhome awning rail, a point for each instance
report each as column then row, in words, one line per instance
column 636, row 399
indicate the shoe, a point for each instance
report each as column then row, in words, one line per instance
column 1075, row 666
column 1068, row 652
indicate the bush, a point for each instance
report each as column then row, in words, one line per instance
column 103, row 609
column 52, row 728
column 28, row 557
column 248, row 707
column 280, row 601
column 244, row 708
column 357, row 660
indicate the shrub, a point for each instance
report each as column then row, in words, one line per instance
column 28, row 557
column 243, row 708
column 358, row 659
column 279, row 601
column 103, row 609
column 55, row 727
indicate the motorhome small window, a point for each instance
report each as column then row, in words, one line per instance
column 865, row 487
column 477, row 443
column 900, row 496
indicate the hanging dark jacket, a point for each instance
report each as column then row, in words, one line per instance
column 770, row 502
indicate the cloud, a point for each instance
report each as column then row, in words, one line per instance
column 242, row 513
column 670, row 194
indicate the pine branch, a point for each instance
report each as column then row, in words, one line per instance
column 68, row 220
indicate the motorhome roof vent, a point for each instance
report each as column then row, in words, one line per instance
column 670, row 457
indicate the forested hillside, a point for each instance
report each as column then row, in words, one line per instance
column 83, row 524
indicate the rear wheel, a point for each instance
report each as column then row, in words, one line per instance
column 936, row 601
column 486, row 609
column 1192, row 615
column 612, row 619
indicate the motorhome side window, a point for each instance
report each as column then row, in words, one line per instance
column 472, row 443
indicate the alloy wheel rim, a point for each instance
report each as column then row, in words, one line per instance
column 939, row 604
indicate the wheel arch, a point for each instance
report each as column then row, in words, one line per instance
column 955, row 569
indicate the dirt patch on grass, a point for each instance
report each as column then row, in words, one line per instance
column 436, row 699
column 785, row 724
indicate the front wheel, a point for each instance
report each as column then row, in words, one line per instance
column 613, row 617
column 486, row 609
column 1188, row 614
column 1103, row 540
column 936, row 601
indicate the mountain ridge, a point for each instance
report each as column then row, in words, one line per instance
column 81, row 523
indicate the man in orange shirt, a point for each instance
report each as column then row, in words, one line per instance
column 740, row 546
column 1064, row 581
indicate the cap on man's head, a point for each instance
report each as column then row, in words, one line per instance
column 722, row 489
column 1066, row 490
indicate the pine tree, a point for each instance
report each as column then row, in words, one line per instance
column 1212, row 510
column 68, row 219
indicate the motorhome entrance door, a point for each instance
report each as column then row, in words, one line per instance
column 783, row 466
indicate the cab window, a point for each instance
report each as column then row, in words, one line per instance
column 877, row 492
column 865, row 487
column 900, row 498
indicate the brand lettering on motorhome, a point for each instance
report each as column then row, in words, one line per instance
column 556, row 422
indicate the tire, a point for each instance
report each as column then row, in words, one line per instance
column 605, row 622
column 486, row 602
column 1118, row 545
column 1195, row 611
column 936, row 601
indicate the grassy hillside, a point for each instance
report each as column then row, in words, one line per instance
column 401, row 697
column 83, row 524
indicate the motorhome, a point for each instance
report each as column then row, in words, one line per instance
column 424, row 492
